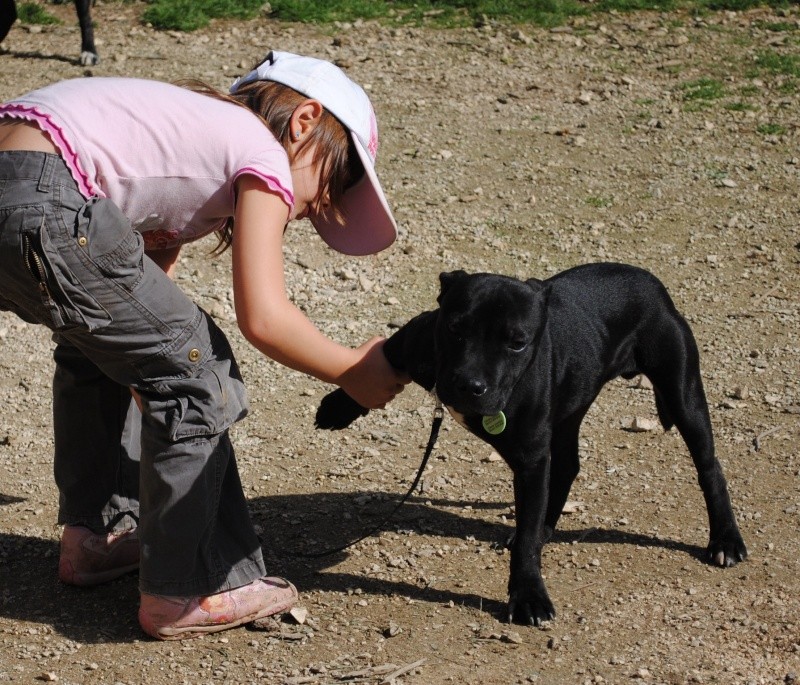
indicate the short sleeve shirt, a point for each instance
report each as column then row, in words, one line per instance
column 167, row 156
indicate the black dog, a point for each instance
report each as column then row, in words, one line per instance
column 89, row 56
column 520, row 362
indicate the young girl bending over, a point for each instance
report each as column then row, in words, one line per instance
column 101, row 182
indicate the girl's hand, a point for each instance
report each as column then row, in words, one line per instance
column 372, row 382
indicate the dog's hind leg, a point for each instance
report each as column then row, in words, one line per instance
column 679, row 389
column 89, row 56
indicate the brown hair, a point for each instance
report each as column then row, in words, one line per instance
column 335, row 154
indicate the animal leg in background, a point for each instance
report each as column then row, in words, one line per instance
column 88, row 56
column 8, row 15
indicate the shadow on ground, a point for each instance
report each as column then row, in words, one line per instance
column 291, row 526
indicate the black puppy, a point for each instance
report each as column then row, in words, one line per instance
column 89, row 56
column 519, row 363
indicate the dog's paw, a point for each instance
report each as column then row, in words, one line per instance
column 530, row 607
column 338, row 410
column 89, row 59
column 726, row 550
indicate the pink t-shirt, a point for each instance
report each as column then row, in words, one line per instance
column 168, row 157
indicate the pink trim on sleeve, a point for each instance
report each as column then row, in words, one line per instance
column 273, row 183
column 68, row 153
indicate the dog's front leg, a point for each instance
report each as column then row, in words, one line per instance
column 528, row 601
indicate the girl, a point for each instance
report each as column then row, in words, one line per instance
column 101, row 182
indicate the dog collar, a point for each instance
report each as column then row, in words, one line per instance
column 495, row 424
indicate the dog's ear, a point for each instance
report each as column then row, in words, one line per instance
column 541, row 290
column 447, row 279
column 411, row 349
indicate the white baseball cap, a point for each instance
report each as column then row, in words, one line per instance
column 369, row 226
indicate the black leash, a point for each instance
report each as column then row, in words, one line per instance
column 438, row 415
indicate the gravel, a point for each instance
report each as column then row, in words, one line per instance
column 510, row 149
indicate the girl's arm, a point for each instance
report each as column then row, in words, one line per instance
column 275, row 326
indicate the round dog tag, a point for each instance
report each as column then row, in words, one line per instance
column 494, row 425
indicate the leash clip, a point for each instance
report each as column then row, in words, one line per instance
column 438, row 410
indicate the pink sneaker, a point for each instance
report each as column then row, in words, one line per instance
column 177, row 618
column 89, row 558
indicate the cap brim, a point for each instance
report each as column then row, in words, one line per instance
column 369, row 226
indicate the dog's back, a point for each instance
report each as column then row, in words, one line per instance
column 603, row 307
column 619, row 295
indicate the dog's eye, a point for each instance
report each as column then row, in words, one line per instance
column 517, row 344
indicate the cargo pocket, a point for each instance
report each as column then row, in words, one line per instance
column 204, row 394
column 207, row 404
column 105, row 236
column 63, row 297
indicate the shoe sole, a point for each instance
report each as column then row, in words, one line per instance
column 170, row 633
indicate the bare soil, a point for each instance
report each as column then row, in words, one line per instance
column 520, row 151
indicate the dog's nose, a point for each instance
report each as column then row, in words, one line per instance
column 473, row 386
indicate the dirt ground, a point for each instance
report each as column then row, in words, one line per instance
column 663, row 140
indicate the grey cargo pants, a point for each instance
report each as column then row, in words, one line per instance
column 119, row 322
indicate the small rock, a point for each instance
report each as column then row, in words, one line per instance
column 392, row 629
column 740, row 392
column 572, row 507
column 268, row 624
column 520, row 37
column 639, row 425
column 299, row 614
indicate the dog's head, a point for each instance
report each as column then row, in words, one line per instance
column 487, row 332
